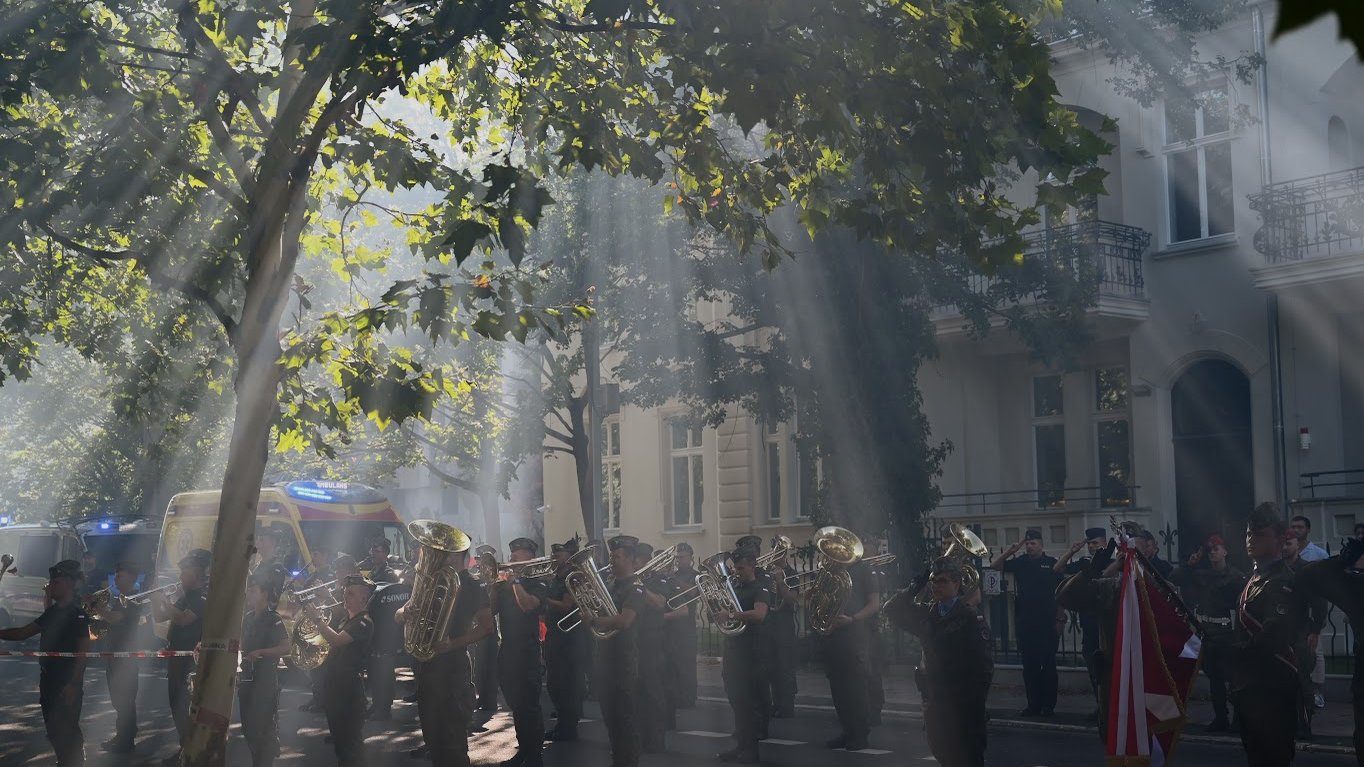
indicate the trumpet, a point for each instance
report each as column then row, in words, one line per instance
column 489, row 570
column 169, row 591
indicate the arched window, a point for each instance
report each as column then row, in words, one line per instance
column 1338, row 144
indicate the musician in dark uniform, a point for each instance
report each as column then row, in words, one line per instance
column 650, row 692
column 445, row 684
column 1037, row 622
column 485, row 667
column 1211, row 587
column 387, row 645
column 564, row 650
column 1340, row 580
column 519, row 603
column 1094, row 591
column 1263, row 672
column 270, row 563
column 956, row 667
column 64, row 627
column 380, row 569
column 348, row 636
column 186, row 617
column 780, row 630
column 846, row 663
column 264, row 642
column 617, row 658
column 679, row 639
column 744, row 670
column 127, row 631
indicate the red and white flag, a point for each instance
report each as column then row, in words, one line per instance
column 1156, row 651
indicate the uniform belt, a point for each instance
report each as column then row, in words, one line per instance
column 1211, row 621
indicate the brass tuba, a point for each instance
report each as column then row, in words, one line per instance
column 435, row 586
column 841, row 548
column 589, row 593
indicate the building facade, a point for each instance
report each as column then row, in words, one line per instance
column 1230, row 254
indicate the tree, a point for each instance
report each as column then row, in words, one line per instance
column 186, row 147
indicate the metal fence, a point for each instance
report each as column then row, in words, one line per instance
column 1314, row 217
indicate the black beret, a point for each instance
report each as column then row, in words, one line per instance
column 622, row 541
column 1096, row 532
column 685, row 548
column 67, row 568
column 749, row 542
column 744, row 552
column 523, row 544
column 946, row 566
column 643, row 550
column 380, row 541
column 1033, row 535
column 196, row 558
column 1265, row 516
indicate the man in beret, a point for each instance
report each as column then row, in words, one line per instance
column 650, row 690
column 1146, row 544
column 781, row 631
column 956, row 668
column 744, row 670
column 1037, row 622
column 518, row 604
column 564, row 650
column 186, row 618
column 617, row 657
column 1211, row 587
column 269, row 560
column 1340, row 579
column 348, row 638
column 388, row 597
column 1095, row 540
column 1263, row 672
column 64, row 627
column 485, row 660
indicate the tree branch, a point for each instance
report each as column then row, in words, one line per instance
column 451, row 479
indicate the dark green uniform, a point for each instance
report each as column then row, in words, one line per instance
column 565, row 658
column 258, row 690
column 344, row 689
column 445, row 687
column 1087, row 592
column 1035, row 628
column 1333, row 579
column 1263, row 671
column 846, row 664
column 518, row 666
column 62, row 629
column 184, row 637
column 955, row 670
column 1213, row 595
column 616, row 661
column 745, row 671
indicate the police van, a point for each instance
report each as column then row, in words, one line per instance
column 35, row 547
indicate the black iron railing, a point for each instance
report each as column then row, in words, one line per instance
column 1343, row 483
column 1033, row 500
column 1316, row 217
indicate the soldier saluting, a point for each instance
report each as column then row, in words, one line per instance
column 957, row 665
column 1263, row 671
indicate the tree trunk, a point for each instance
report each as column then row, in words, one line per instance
column 582, row 461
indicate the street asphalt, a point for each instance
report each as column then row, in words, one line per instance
column 702, row 732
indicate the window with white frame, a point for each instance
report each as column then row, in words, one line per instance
column 1113, row 437
column 1049, row 440
column 687, row 479
column 1198, row 165
column 808, row 478
column 772, row 444
column 610, row 464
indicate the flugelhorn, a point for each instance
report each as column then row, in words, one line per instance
column 530, row 569
column 715, row 585
column 169, row 591
column 435, row 586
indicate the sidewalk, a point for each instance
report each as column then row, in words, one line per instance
column 1332, row 728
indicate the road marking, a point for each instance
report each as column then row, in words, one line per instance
column 704, row 734
column 872, row 751
column 929, row 758
column 780, row 742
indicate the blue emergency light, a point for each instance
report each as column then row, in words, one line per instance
column 106, row 525
column 4, row 520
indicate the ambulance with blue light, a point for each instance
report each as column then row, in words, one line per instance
column 313, row 515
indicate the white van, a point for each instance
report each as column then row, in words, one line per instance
column 34, row 548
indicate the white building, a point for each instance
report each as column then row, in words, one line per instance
column 1229, row 249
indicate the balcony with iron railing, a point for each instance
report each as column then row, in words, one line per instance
column 1103, row 253
column 1311, row 230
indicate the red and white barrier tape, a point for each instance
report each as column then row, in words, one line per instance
column 137, row 654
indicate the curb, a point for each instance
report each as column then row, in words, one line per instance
column 1029, row 724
